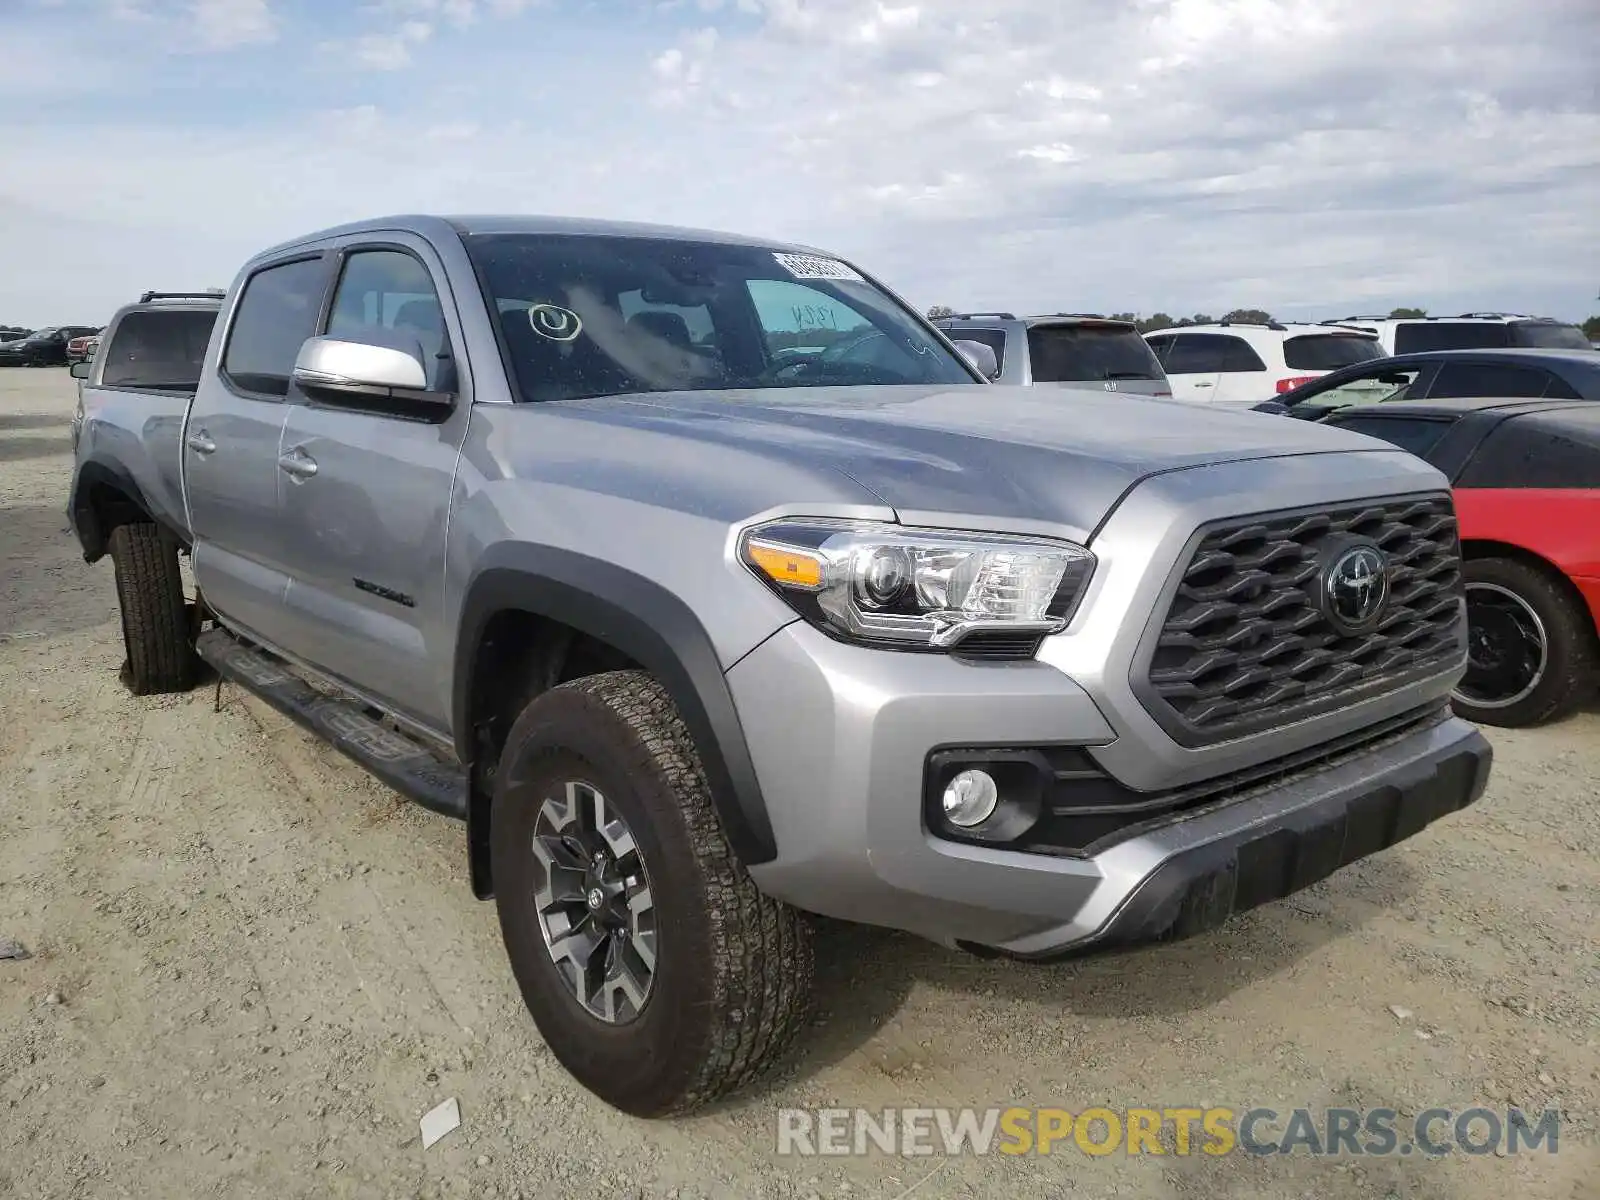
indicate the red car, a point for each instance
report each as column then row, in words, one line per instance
column 1526, row 476
column 82, row 346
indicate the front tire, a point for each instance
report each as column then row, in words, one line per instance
column 1531, row 646
column 155, row 619
column 657, row 973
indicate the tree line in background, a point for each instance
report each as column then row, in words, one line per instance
column 1256, row 316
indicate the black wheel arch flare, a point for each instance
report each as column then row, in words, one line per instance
column 643, row 620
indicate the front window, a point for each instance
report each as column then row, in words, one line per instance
column 1374, row 387
column 600, row 316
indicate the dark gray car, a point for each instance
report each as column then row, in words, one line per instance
column 1067, row 349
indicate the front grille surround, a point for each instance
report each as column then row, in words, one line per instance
column 1244, row 646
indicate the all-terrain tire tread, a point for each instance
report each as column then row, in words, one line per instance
column 761, row 961
column 155, row 621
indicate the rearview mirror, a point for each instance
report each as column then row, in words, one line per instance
column 79, row 370
column 981, row 356
column 385, row 372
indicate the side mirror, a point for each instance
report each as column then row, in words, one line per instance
column 79, row 370
column 385, row 373
column 981, row 356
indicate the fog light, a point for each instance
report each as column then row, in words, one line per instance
column 970, row 799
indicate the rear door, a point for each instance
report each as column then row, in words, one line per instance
column 230, row 445
column 1311, row 355
column 366, row 493
column 1193, row 363
column 1110, row 355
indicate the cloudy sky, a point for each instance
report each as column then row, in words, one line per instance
column 1312, row 157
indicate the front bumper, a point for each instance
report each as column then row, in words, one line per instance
column 840, row 736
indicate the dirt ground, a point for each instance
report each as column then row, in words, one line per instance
column 253, row 968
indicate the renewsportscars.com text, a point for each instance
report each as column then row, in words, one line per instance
column 1178, row 1131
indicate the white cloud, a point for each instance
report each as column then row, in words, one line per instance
column 383, row 51
column 224, row 24
column 1308, row 156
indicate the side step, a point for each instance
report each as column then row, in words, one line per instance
column 404, row 764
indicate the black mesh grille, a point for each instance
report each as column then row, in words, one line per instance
column 1246, row 645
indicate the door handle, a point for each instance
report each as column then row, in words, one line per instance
column 297, row 463
column 1205, row 385
column 200, row 442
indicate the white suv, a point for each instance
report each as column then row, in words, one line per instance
column 1469, row 331
column 1238, row 363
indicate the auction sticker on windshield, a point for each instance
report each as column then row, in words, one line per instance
column 814, row 266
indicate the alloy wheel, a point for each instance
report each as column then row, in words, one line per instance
column 592, row 895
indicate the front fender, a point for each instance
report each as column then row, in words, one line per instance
column 649, row 624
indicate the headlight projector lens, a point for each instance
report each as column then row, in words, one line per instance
column 886, row 577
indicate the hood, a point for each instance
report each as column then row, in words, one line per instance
column 1060, row 455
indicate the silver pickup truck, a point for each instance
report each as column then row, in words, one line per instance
column 712, row 587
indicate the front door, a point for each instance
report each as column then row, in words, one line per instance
column 366, row 494
column 230, row 446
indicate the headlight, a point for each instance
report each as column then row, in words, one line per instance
column 894, row 586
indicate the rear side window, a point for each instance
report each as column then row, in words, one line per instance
column 1558, row 451
column 1416, row 434
column 995, row 339
column 1548, row 335
column 277, row 312
column 158, row 350
column 1488, row 379
column 1329, row 351
column 1415, row 336
column 1074, row 353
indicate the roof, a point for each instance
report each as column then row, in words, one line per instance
column 1532, row 355
column 1488, row 318
column 1302, row 327
column 989, row 318
column 427, row 225
column 1455, row 405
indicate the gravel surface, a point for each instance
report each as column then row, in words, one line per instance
column 253, row 969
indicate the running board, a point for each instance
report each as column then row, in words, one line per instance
column 404, row 764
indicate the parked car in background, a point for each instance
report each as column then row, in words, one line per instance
column 1238, row 363
column 78, row 348
column 1526, row 475
column 1066, row 349
column 13, row 335
column 1448, row 375
column 1470, row 331
column 42, row 347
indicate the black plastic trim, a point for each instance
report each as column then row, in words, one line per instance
column 650, row 625
column 1199, row 889
column 85, row 520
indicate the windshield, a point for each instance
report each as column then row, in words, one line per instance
column 42, row 335
column 1549, row 335
column 1076, row 353
column 1329, row 351
column 586, row 315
